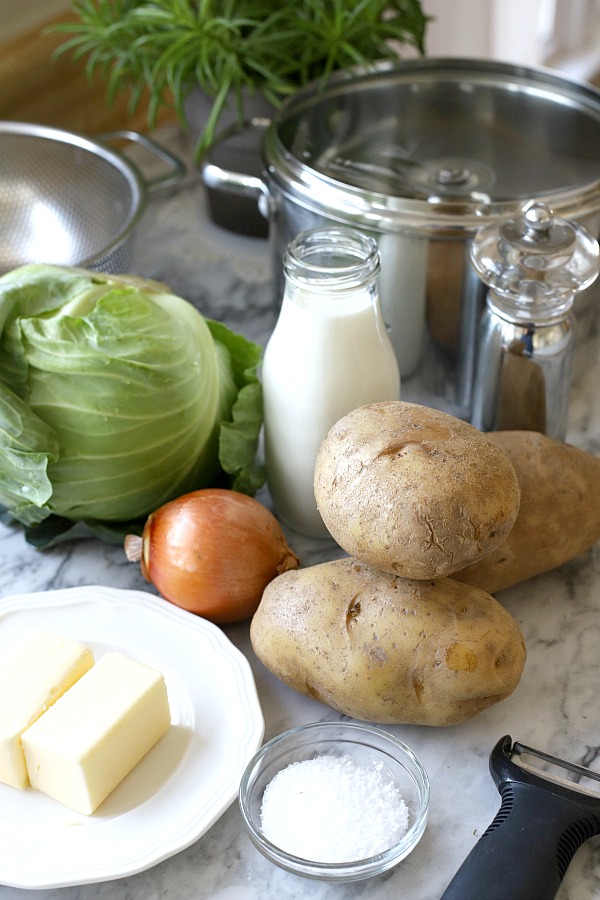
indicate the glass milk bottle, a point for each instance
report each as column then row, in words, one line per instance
column 329, row 353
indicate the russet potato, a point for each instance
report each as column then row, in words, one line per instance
column 386, row 649
column 414, row 491
column 559, row 515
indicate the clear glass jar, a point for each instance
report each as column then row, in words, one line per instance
column 329, row 353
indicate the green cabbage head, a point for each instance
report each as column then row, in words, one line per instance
column 116, row 396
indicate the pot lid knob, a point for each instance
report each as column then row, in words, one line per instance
column 535, row 262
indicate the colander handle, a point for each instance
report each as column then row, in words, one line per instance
column 176, row 169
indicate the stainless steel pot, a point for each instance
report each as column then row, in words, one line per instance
column 420, row 154
column 69, row 200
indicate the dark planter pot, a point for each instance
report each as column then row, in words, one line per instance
column 236, row 149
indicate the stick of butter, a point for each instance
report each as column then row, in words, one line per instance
column 37, row 671
column 83, row 747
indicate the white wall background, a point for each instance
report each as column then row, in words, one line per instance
column 562, row 34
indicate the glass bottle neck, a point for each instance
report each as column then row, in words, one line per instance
column 325, row 261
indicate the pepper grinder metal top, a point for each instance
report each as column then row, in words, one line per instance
column 534, row 265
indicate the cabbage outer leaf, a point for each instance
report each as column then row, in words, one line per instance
column 26, row 446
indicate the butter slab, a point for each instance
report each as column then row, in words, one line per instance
column 83, row 747
column 33, row 676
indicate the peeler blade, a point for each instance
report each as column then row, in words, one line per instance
column 559, row 771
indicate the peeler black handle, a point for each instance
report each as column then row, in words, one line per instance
column 526, row 850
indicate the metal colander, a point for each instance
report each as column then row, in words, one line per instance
column 68, row 200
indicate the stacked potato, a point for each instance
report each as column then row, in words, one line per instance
column 414, row 496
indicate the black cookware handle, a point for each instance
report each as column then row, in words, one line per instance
column 526, row 850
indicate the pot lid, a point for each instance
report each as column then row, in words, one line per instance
column 435, row 139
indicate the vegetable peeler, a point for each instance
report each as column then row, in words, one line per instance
column 542, row 821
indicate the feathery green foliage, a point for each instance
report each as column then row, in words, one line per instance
column 226, row 47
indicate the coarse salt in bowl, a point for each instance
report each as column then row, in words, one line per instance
column 335, row 801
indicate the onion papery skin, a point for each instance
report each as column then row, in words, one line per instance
column 213, row 552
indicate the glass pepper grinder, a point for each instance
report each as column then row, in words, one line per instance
column 328, row 354
column 534, row 264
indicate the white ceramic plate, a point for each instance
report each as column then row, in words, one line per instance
column 182, row 785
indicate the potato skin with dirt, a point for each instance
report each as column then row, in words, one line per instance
column 386, row 649
column 559, row 516
column 414, row 491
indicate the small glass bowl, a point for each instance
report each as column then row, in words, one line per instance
column 366, row 745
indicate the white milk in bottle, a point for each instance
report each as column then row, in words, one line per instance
column 329, row 353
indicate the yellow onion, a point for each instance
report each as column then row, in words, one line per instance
column 212, row 552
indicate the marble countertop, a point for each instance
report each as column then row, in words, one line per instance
column 555, row 707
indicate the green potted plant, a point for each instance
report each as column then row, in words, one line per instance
column 232, row 49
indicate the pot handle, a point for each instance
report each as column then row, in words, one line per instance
column 239, row 183
column 176, row 169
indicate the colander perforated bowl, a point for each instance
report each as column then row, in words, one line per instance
column 69, row 200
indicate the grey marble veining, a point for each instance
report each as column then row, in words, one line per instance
column 555, row 707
